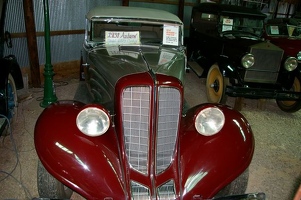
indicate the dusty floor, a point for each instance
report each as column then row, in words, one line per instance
column 275, row 169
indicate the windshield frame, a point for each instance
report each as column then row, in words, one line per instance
column 90, row 41
column 240, row 24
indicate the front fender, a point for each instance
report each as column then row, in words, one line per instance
column 227, row 67
column 209, row 163
column 88, row 165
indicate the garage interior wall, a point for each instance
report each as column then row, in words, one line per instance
column 67, row 19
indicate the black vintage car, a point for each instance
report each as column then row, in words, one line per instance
column 10, row 75
column 226, row 47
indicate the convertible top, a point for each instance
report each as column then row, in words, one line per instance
column 125, row 12
column 228, row 9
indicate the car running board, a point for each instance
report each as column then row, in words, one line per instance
column 196, row 68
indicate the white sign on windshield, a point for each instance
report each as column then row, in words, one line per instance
column 171, row 35
column 165, row 57
column 227, row 24
column 274, row 30
column 114, row 51
column 122, row 37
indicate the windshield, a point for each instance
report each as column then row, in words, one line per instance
column 242, row 25
column 121, row 32
column 284, row 30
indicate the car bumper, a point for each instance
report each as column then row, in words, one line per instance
column 251, row 196
column 262, row 93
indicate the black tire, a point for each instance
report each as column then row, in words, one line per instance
column 49, row 187
column 12, row 98
column 292, row 106
column 216, row 86
column 236, row 187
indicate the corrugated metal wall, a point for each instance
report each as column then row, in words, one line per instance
column 63, row 15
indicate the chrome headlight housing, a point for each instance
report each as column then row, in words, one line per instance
column 299, row 56
column 93, row 121
column 248, row 60
column 290, row 64
column 209, row 121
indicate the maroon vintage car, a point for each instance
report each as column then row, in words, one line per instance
column 138, row 139
column 285, row 33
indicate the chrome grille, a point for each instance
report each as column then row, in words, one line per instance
column 136, row 109
column 167, row 191
column 168, row 118
column 266, row 67
column 139, row 192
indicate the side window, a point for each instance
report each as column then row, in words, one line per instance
column 209, row 17
column 205, row 22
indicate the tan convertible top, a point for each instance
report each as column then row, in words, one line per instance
column 125, row 12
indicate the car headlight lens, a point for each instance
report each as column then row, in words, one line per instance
column 247, row 60
column 209, row 121
column 93, row 121
column 290, row 64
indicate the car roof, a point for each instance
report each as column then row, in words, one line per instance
column 228, row 9
column 288, row 21
column 125, row 12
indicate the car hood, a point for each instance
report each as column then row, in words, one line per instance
column 290, row 46
column 115, row 62
column 236, row 46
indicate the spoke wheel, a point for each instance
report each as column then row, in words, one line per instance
column 292, row 106
column 216, row 86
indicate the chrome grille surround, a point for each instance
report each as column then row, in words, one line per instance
column 266, row 67
column 167, row 128
column 136, row 119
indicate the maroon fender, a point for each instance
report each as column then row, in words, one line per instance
column 209, row 163
column 88, row 165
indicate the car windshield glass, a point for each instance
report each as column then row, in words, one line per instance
column 284, row 30
column 241, row 25
column 122, row 32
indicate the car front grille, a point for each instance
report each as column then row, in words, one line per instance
column 165, row 191
column 136, row 123
column 266, row 67
column 143, row 132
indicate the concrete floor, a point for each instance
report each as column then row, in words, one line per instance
column 275, row 169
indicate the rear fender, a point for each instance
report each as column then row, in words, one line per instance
column 209, row 163
column 88, row 165
column 10, row 65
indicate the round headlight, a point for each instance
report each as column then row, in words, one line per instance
column 93, row 121
column 209, row 121
column 247, row 60
column 290, row 64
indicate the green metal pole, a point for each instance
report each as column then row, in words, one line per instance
column 49, row 90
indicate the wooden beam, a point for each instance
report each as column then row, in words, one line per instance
column 125, row 2
column 52, row 33
column 32, row 43
column 181, row 9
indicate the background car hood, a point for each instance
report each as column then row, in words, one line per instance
column 290, row 46
column 115, row 62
